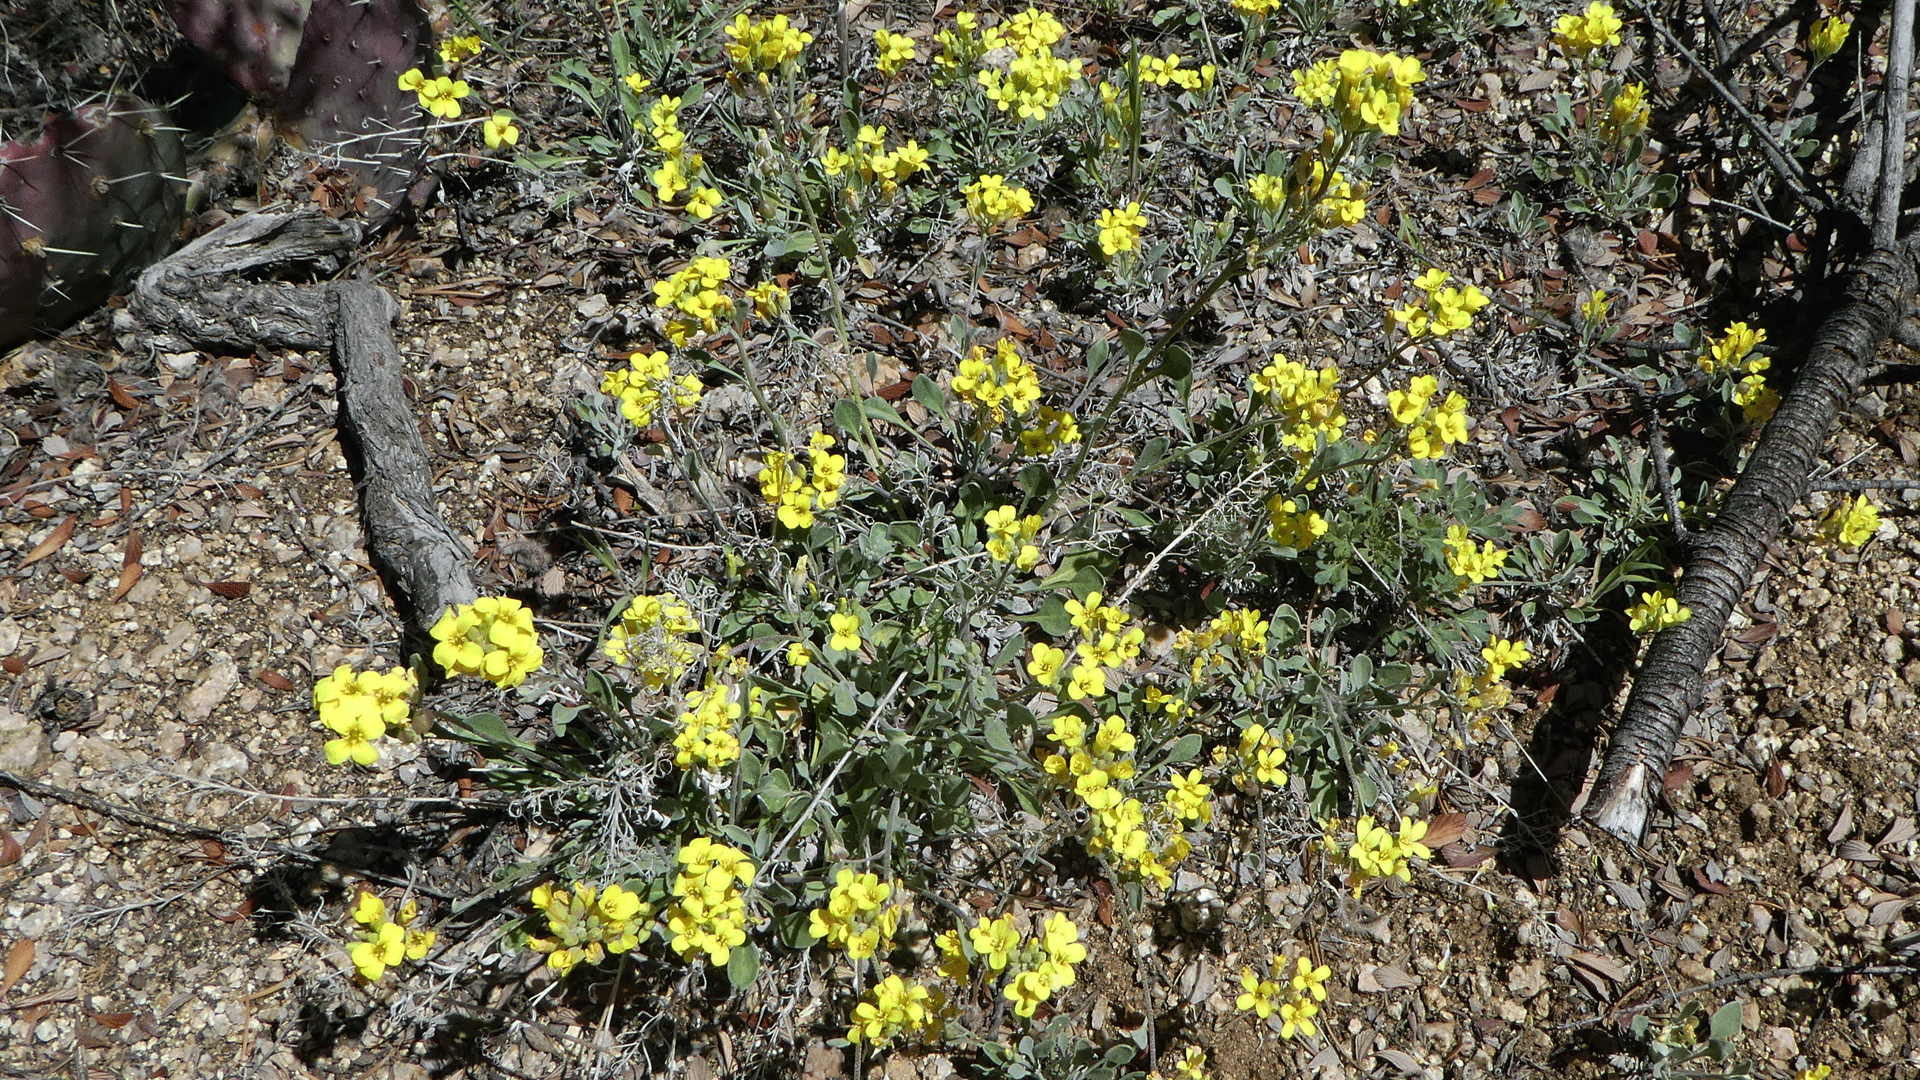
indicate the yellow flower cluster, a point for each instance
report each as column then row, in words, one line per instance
column 1304, row 990
column 439, row 96
column 457, row 49
column 1578, row 35
column 1826, row 37
column 1627, row 114
column 1167, row 71
column 874, row 165
column 706, row 739
column 1142, row 842
column 693, row 293
column 1010, row 537
column 586, row 923
column 1474, row 564
column 1733, row 352
column 994, row 385
column 709, row 914
column 798, row 491
column 384, row 943
column 1364, row 90
column 1120, row 229
column 1034, row 78
column 765, row 45
column 1255, row 9
column 857, row 916
column 1851, row 524
column 645, row 382
column 491, row 638
column 1430, row 429
column 1241, row 628
column 650, row 637
column 895, row 51
column 1445, row 310
column 1049, row 430
column 1307, row 400
column 1260, row 759
column 1291, row 523
column 361, row 708
column 1039, row 966
column 990, row 201
column 1503, row 655
column 1478, row 697
column 678, row 168
column 892, row 1007
column 1656, row 611
column 1192, row 1064
column 1378, row 853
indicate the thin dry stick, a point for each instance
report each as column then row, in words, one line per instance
column 1783, row 163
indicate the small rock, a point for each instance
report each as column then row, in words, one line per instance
column 221, row 677
column 219, row 759
column 594, row 306
column 24, row 746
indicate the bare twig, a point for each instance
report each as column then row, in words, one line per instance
column 1783, row 164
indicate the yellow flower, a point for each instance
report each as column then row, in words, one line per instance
column 1502, row 654
column 703, row 202
column 499, row 130
column 1656, row 611
column 372, row 958
column 1310, row 981
column 1297, row 1018
column 1593, row 310
column 765, row 45
column 995, row 940
column 896, row 51
column 846, row 632
column 991, row 201
column 1823, row 41
column 1046, row 663
column 455, row 49
column 799, row 655
column 1852, row 523
column 1259, row 994
column 1120, row 229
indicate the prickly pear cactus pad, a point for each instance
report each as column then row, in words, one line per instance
column 254, row 41
column 98, row 195
column 343, row 98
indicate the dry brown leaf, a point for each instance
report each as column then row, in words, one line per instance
column 121, row 396
column 1843, row 825
column 1901, row 831
column 61, row 534
column 1776, row 779
column 232, row 590
column 19, row 960
column 9, row 848
column 1444, row 829
column 1886, row 911
column 1599, row 965
column 1857, row 851
column 273, row 679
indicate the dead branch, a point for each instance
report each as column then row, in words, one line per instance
column 1726, row 554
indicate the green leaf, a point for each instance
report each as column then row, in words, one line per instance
column 486, row 729
column 1175, row 363
column 878, row 408
column 846, row 416
column 743, row 965
column 1184, row 749
column 995, row 731
column 1053, row 618
column 1037, row 481
column 930, row 396
column 564, row 715
column 843, row 700
column 1133, row 343
column 1726, row 1022
column 1151, row 454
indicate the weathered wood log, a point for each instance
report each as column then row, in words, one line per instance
column 427, row 564
column 1725, row 556
column 210, row 294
